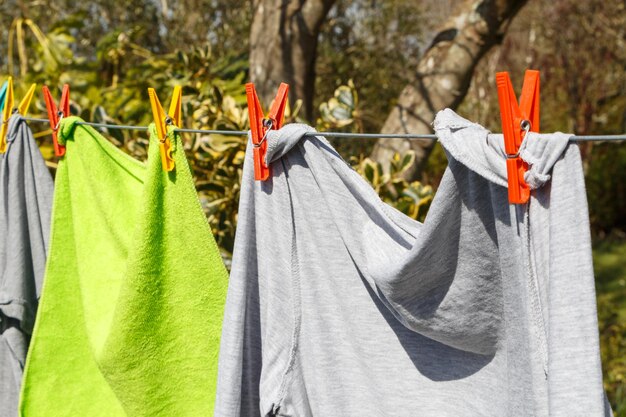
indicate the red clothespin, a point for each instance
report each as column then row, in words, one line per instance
column 259, row 125
column 517, row 121
column 56, row 114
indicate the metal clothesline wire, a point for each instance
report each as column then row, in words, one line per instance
column 325, row 134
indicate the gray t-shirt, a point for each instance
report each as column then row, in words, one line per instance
column 339, row 305
column 26, row 190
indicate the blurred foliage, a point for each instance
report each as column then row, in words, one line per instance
column 412, row 199
column 159, row 26
column 606, row 189
column 374, row 43
column 343, row 113
column 609, row 255
column 340, row 110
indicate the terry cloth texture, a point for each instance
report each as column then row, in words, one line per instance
column 339, row 305
column 130, row 316
column 26, row 190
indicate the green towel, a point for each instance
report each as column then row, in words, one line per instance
column 131, row 311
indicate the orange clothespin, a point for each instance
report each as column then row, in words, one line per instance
column 259, row 125
column 55, row 114
column 517, row 121
column 8, row 110
column 162, row 120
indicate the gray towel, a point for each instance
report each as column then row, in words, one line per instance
column 339, row 305
column 26, row 190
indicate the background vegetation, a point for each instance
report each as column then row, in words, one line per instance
column 111, row 52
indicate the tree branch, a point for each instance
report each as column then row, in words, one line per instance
column 444, row 73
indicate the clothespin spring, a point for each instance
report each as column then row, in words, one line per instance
column 60, row 114
column 168, row 122
column 269, row 124
column 525, row 125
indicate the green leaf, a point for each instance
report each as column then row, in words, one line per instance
column 407, row 161
column 370, row 171
column 344, row 95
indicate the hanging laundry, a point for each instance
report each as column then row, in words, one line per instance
column 131, row 311
column 26, row 190
column 340, row 305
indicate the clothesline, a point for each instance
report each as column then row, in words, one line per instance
column 575, row 138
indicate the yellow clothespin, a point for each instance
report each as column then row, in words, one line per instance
column 8, row 110
column 25, row 103
column 162, row 120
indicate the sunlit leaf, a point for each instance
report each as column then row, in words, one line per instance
column 345, row 97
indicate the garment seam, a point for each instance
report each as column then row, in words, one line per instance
column 533, row 287
column 297, row 312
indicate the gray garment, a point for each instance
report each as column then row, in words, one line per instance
column 26, row 190
column 339, row 305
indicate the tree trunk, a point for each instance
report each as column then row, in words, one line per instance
column 443, row 75
column 283, row 47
